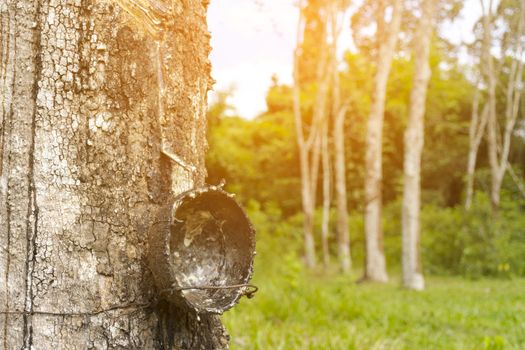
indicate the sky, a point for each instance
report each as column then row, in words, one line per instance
column 254, row 39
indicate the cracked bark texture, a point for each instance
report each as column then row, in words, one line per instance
column 81, row 173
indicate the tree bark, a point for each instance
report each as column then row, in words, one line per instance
column 414, row 140
column 327, row 198
column 375, row 268
column 339, row 113
column 490, row 76
column 478, row 124
column 499, row 145
column 309, row 145
column 343, row 236
column 84, row 132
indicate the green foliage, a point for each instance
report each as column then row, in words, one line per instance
column 446, row 126
column 470, row 243
column 248, row 152
column 298, row 309
column 442, row 244
column 494, row 246
column 474, row 243
column 257, row 158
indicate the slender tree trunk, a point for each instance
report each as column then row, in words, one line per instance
column 314, row 164
column 320, row 152
column 304, row 146
column 478, row 124
column 327, row 175
column 314, row 169
column 499, row 150
column 517, row 181
column 309, row 145
column 513, row 98
column 82, row 171
column 308, row 208
column 338, row 113
column 414, row 139
column 490, row 76
column 375, row 268
column 343, row 237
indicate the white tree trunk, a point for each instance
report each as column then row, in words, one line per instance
column 338, row 115
column 309, row 145
column 82, row 172
column 414, row 139
column 478, row 124
column 308, row 203
column 327, row 199
column 499, row 150
column 375, row 268
column 343, row 237
column 490, row 76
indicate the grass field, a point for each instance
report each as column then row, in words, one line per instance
column 295, row 309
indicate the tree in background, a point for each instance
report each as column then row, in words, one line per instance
column 327, row 189
column 317, row 41
column 334, row 12
column 339, row 109
column 414, row 139
column 478, row 124
column 248, row 152
column 499, row 133
column 309, row 143
column 478, row 119
column 386, row 37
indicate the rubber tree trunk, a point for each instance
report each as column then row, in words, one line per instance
column 375, row 269
column 339, row 113
column 327, row 197
column 343, row 236
column 309, row 142
column 81, row 172
column 338, row 120
column 500, row 143
column 492, row 125
column 414, row 139
column 308, row 203
column 478, row 124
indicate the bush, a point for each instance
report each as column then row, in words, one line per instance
column 277, row 237
column 471, row 243
column 442, row 245
column 494, row 245
column 475, row 243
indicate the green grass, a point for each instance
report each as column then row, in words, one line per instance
column 295, row 309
